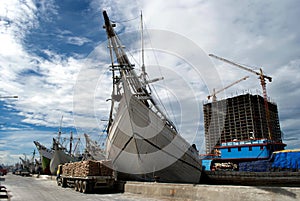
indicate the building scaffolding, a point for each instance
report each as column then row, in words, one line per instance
column 239, row 118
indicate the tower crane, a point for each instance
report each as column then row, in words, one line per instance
column 213, row 95
column 262, row 78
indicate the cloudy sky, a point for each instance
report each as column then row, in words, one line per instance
column 54, row 56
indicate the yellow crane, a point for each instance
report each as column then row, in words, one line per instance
column 213, row 95
column 262, row 78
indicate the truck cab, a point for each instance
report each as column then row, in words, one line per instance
column 3, row 171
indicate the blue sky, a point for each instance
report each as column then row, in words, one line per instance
column 46, row 46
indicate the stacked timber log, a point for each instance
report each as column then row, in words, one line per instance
column 106, row 167
column 88, row 168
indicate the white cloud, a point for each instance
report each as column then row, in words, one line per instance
column 77, row 40
column 47, row 93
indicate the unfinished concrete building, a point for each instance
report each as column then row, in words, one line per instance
column 240, row 118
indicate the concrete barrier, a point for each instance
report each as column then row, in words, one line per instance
column 213, row 192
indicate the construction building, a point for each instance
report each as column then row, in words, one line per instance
column 240, row 118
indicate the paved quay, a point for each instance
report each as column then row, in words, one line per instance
column 209, row 192
column 45, row 189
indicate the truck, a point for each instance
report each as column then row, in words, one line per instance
column 3, row 171
column 86, row 176
column 22, row 172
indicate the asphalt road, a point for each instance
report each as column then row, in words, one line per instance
column 39, row 189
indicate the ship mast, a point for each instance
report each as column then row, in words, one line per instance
column 123, row 65
column 113, row 90
column 144, row 74
column 127, row 74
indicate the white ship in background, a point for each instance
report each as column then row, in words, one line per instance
column 57, row 154
column 46, row 155
column 142, row 142
column 92, row 150
column 61, row 155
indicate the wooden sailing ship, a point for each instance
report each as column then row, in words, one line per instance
column 143, row 143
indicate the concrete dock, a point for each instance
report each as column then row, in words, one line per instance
column 213, row 192
column 208, row 192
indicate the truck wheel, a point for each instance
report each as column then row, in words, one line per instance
column 85, row 187
column 58, row 181
column 76, row 185
column 91, row 187
column 80, row 186
column 63, row 182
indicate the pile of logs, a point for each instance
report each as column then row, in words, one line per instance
column 88, row 168
column 106, row 168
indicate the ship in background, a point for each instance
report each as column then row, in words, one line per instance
column 93, row 151
column 139, row 130
column 27, row 165
column 58, row 153
column 45, row 155
column 61, row 155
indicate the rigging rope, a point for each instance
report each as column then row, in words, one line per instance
column 117, row 21
column 164, row 83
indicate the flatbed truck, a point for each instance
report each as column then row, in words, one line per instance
column 88, row 183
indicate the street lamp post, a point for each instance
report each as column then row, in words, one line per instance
column 8, row 97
